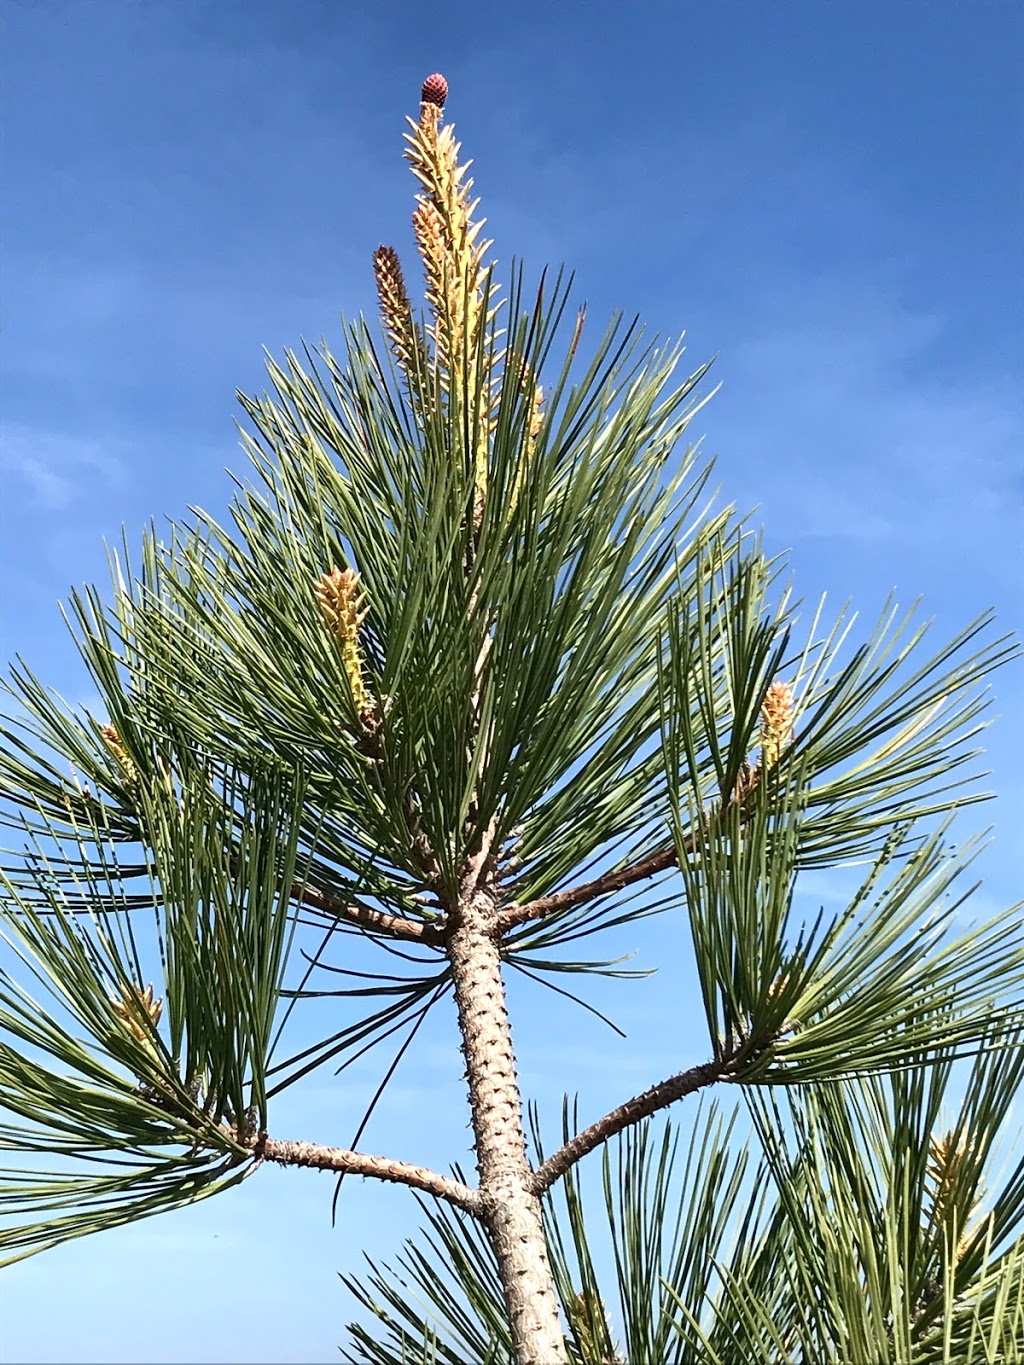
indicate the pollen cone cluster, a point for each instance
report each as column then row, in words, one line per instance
column 115, row 746
column 535, row 420
column 342, row 605
column 945, row 1174
column 585, row 1320
column 128, row 1007
column 530, row 385
column 777, row 712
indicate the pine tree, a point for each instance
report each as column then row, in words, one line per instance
column 478, row 661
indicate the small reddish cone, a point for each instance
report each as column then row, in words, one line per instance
column 435, row 90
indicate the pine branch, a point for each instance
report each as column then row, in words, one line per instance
column 366, row 917
column 344, row 1162
column 625, row 1116
column 515, row 915
column 660, row 861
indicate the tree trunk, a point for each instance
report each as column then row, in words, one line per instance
column 511, row 1211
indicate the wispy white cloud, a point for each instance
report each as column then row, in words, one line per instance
column 54, row 467
column 879, row 444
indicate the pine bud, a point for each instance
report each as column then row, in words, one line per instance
column 746, row 780
column 395, row 310
column 435, row 90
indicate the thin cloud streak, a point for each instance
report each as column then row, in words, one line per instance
column 55, row 467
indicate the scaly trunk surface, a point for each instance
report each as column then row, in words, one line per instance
column 511, row 1211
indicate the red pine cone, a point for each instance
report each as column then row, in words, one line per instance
column 435, row 90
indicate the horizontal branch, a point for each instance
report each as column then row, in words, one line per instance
column 366, row 917
column 343, row 1162
column 515, row 915
column 660, row 861
column 639, row 1107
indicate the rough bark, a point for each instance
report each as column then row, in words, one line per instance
column 509, row 1208
column 345, row 1162
column 625, row 1116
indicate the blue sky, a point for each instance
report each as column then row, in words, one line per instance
column 829, row 195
